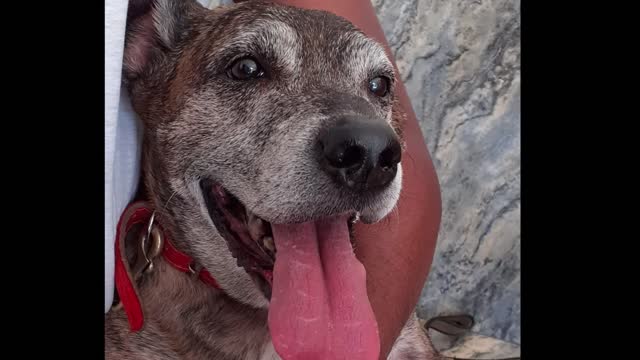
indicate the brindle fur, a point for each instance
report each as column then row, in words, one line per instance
column 256, row 139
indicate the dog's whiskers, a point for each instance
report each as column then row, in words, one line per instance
column 163, row 210
column 168, row 200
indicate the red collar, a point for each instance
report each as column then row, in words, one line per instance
column 141, row 213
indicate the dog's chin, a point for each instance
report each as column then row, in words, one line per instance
column 378, row 210
column 248, row 237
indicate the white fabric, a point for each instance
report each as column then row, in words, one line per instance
column 122, row 138
column 122, row 131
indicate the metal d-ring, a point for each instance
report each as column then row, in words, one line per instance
column 154, row 235
column 144, row 239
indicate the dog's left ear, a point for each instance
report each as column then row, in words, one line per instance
column 153, row 28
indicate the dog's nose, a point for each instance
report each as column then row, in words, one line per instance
column 361, row 155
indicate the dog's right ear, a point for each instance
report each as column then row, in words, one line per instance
column 154, row 27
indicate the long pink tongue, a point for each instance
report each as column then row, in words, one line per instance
column 319, row 307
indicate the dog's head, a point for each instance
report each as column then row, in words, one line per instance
column 257, row 115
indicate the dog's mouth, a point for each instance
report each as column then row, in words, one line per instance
column 318, row 307
column 249, row 238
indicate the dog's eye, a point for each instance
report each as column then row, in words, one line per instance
column 245, row 69
column 379, row 86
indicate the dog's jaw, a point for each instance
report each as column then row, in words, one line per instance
column 248, row 237
column 211, row 250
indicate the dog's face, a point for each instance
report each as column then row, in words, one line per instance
column 255, row 115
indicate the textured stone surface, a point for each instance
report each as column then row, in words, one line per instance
column 460, row 61
column 479, row 347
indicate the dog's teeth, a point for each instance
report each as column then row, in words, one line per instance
column 268, row 243
column 255, row 225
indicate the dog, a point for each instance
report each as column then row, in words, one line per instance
column 268, row 131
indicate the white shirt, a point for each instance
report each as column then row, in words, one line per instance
column 122, row 135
